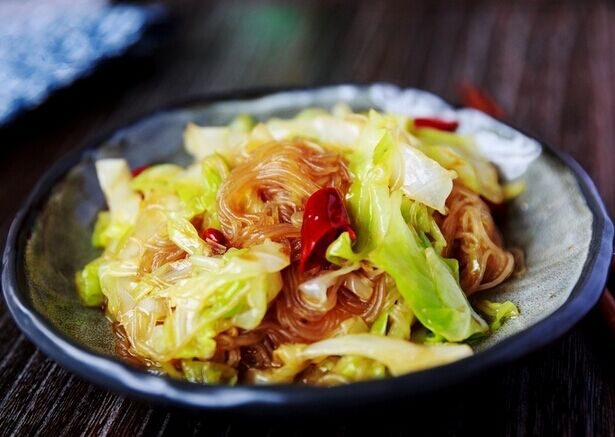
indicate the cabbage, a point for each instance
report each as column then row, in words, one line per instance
column 395, row 318
column 381, row 162
column 423, row 335
column 459, row 153
column 352, row 325
column 231, row 143
column 202, row 142
column 420, row 217
column 214, row 170
column 157, row 178
column 179, row 319
column 398, row 356
column 371, row 165
column 428, row 283
column 115, row 181
column 185, row 236
column 196, row 187
column 88, row 284
column 117, row 279
column 451, row 159
column 514, row 189
column 314, row 290
column 292, row 362
column 205, row 372
column 114, row 178
column 425, row 180
column 425, row 280
column 242, row 123
column 340, row 251
column 379, row 327
column 99, row 236
column 400, row 319
column 357, row 368
column 339, row 133
column 107, row 231
column 497, row 312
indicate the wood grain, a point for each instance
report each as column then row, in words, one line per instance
column 550, row 64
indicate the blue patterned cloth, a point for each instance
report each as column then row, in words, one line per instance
column 45, row 45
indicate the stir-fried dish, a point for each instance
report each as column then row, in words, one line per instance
column 327, row 248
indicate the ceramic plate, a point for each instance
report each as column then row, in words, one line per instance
column 559, row 222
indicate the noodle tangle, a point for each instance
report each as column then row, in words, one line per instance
column 474, row 240
column 262, row 196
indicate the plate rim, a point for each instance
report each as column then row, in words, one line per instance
column 111, row 373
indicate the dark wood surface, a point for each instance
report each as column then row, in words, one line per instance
column 550, row 64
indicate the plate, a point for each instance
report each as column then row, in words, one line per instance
column 559, row 221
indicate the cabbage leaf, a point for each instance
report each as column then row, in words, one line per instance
column 339, row 133
column 181, row 319
column 88, row 284
column 202, row 142
column 196, row 186
column 426, row 181
column 398, row 356
column 206, row 372
column 459, row 153
column 427, row 282
column 124, row 203
column 497, row 312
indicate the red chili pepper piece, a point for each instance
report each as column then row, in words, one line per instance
column 436, row 123
column 213, row 235
column 324, row 219
column 478, row 99
column 138, row 170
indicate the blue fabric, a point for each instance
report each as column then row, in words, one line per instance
column 47, row 45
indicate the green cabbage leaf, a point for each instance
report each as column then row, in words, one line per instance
column 402, row 247
column 496, row 312
column 177, row 310
column 398, row 356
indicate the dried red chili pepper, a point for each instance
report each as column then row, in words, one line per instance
column 138, row 170
column 213, row 235
column 324, row 219
column 478, row 99
column 436, row 123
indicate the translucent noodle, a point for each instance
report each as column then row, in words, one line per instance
column 292, row 320
column 302, row 322
column 473, row 238
column 157, row 254
column 262, row 196
column 123, row 349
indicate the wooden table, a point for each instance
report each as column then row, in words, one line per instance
column 551, row 65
